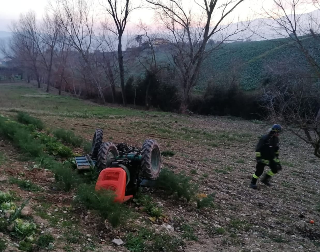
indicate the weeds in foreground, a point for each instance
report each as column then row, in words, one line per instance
column 148, row 205
column 178, row 184
column 188, row 232
column 45, row 240
column 3, row 245
column 206, row 201
column 147, row 240
column 29, row 120
column 25, row 184
column 68, row 137
column 103, row 202
column 168, row 153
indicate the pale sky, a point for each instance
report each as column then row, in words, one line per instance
column 11, row 9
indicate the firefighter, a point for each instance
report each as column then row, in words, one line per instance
column 267, row 154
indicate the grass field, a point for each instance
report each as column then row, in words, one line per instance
column 217, row 153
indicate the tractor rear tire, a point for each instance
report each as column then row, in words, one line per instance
column 106, row 155
column 151, row 159
column 96, row 143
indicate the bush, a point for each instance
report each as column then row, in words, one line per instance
column 68, row 137
column 149, row 206
column 3, row 245
column 24, row 184
column 177, row 184
column 205, row 201
column 45, row 240
column 21, row 137
column 228, row 100
column 29, row 120
column 53, row 147
column 103, row 202
column 65, row 177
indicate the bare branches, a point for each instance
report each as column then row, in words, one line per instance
column 190, row 34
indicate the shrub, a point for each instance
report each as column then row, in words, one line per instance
column 21, row 137
column 147, row 240
column 53, row 147
column 29, row 120
column 45, row 240
column 3, row 245
column 65, row 177
column 24, row 184
column 167, row 153
column 103, row 202
column 205, row 202
column 149, row 206
column 68, row 137
column 177, row 184
column 5, row 197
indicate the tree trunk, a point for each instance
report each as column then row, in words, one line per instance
column 121, row 69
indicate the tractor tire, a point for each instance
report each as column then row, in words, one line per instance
column 107, row 153
column 151, row 159
column 96, row 142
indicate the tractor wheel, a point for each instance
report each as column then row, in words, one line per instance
column 107, row 153
column 96, row 142
column 151, row 159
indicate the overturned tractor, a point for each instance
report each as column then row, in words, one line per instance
column 122, row 168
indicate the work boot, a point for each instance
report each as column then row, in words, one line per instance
column 253, row 183
column 266, row 180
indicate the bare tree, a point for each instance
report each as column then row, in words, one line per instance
column 119, row 11
column 190, row 31
column 295, row 98
column 24, row 45
column 292, row 98
column 76, row 19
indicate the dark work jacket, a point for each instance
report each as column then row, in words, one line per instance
column 268, row 145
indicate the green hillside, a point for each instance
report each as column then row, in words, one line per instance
column 250, row 60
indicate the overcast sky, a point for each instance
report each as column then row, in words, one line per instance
column 11, row 9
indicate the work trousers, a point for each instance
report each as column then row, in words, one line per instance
column 260, row 168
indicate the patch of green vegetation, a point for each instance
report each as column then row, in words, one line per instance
column 188, row 232
column 2, row 158
column 21, row 137
column 237, row 225
column 73, row 236
column 240, row 161
column 44, row 240
column 26, row 246
column 25, row 184
column 178, row 184
column 29, row 120
column 5, row 197
column 193, row 172
column 205, row 201
column 147, row 240
column 148, row 205
column 68, row 137
column 168, row 153
column 277, row 238
column 205, row 175
column 285, row 163
column 3, row 245
column 53, row 146
column 66, row 178
column 103, row 202
column 226, row 170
